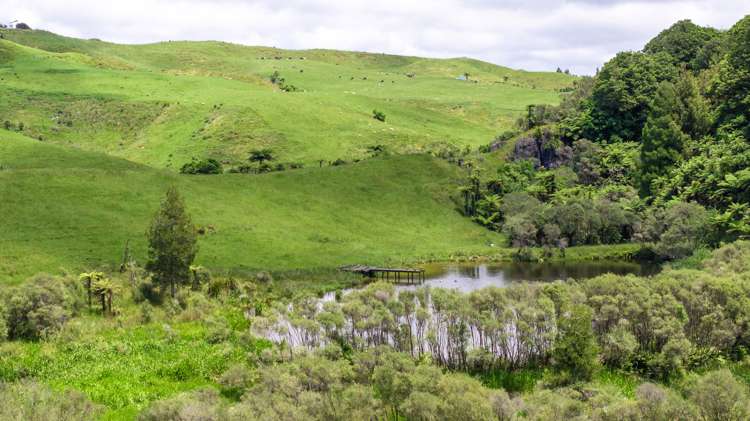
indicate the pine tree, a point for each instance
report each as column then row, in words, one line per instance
column 172, row 242
column 662, row 138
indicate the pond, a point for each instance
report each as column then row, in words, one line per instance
column 470, row 276
column 467, row 277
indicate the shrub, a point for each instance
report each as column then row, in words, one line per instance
column 575, row 352
column 3, row 324
column 719, row 396
column 202, row 404
column 203, row 166
column 378, row 115
column 218, row 331
column 146, row 313
column 618, row 346
column 657, row 403
column 503, row 406
column 199, row 276
column 677, row 230
column 220, row 285
column 149, row 291
column 39, row 307
column 520, row 203
column 198, row 307
column 521, row 231
column 235, row 381
column 32, row 401
column 263, row 278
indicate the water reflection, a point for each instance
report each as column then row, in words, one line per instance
column 468, row 277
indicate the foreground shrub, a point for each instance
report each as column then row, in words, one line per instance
column 32, row 401
column 40, row 307
column 203, row 404
column 654, row 402
column 719, row 396
column 235, row 381
column 575, row 352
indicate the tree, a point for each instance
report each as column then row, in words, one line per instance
column 731, row 90
column 575, row 351
column 105, row 289
column 677, row 230
column 663, row 139
column 694, row 110
column 622, row 93
column 683, row 41
column 172, row 241
column 261, row 155
column 88, row 280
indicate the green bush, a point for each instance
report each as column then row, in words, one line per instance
column 202, row 404
column 378, row 115
column 31, row 401
column 149, row 291
column 235, row 381
column 40, row 307
column 146, row 313
column 575, row 353
column 677, row 230
column 203, row 166
column 719, row 396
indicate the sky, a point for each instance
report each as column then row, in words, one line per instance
column 579, row 35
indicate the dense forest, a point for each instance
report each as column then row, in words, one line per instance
column 653, row 149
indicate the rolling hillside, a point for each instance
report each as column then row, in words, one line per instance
column 162, row 104
column 64, row 208
column 91, row 135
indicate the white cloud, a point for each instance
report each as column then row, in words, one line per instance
column 534, row 35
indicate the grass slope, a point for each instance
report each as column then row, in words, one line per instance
column 162, row 104
column 67, row 208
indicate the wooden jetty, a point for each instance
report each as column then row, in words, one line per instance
column 398, row 275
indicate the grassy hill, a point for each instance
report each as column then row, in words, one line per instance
column 73, row 209
column 94, row 132
column 162, row 104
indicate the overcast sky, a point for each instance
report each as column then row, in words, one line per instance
column 527, row 34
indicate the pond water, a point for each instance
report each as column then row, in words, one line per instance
column 467, row 277
column 470, row 276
